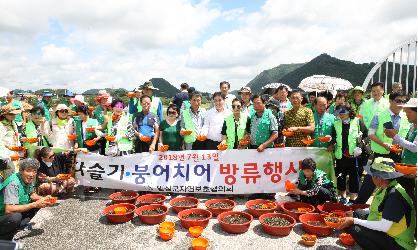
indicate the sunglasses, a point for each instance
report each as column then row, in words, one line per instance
column 236, row 106
column 63, row 111
column 400, row 101
column 172, row 112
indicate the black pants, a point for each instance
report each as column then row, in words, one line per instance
column 368, row 187
column 10, row 223
column 141, row 146
column 212, row 145
column 199, row 145
column 372, row 239
column 324, row 194
column 347, row 166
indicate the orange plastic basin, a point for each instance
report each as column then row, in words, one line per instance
column 333, row 224
column 244, row 142
column 287, row 133
column 110, row 138
column 72, row 137
column 195, row 231
column 120, row 210
column 90, row 143
column 187, row 132
column 309, row 239
column 167, row 224
column 14, row 157
column 279, row 145
column 347, row 239
column 288, row 185
column 18, row 148
column 51, row 200
column 64, row 177
column 91, row 108
column 201, row 137
column 200, row 243
column 406, row 168
column 131, row 94
column 324, row 138
column 145, row 138
column 75, row 113
column 163, row 148
column 90, row 130
column 308, row 141
column 31, row 140
column 166, row 233
column 396, row 148
column 222, row 146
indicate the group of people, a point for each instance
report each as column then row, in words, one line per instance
column 353, row 128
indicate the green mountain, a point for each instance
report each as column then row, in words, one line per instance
column 272, row 75
column 165, row 88
column 330, row 66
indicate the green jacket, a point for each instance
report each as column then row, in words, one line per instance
column 322, row 129
column 263, row 128
column 24, row 194
column 79, row 132
column 353, row 135
column 230, row 128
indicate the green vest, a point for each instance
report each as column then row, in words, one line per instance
column 230, row 128
column 353, row 134
column 155, row 101
column 317, row 173
column 384, row 117
column 138, row 104
column 189, row 125
column 406, row 238
column 24, row 195
column 99, row 114
column 186, row 104
column 409, row 157
column 369, row 113
column 89, row 135
column 324, row 129
column 356, row 107
column 44, row 105
column 263, row 128
column 124, row 144
column 32, row 132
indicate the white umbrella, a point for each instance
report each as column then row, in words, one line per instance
column 323, row 83
column 4, row 91
column 275, row 85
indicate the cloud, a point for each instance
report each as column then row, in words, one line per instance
column 52, row 54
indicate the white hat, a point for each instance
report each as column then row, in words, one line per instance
column 109, row 101
column 79, row 98
column 412, row 103
column 61, row 106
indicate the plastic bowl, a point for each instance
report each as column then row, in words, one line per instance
column 216, row 211
column 195, row 231
column 289, row 186
column 187, row 132
column 18, row 148
column 244, row 142
column 90, row 130
column 330, row 207
column 279, row 145
column 406, row 168
column 14, row 157
column 166, row 233
column 131, row 94
column 311, row 229
column 277, row 230
column 325, row 138
column 287, row 133
column 222, row 147
column 163, row 148
column 201, row 138
column 72, row 137
column 334, row 225
column 119, row 218
column 289, row 206
column 110, row 138
column 308, row 239
column 63, row 177
column 90, row 142
column 234, row 228
column 31, row 140
column 146, row 199
column 177, row 209
column 167, row 224
column 190, row 223
column 308, row 141
column 114, row 196
column 347, row 239
column 200, row 243
column 145, row 138
column 151, row 219
column 270, row 207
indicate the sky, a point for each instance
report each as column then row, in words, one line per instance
column 108, row 43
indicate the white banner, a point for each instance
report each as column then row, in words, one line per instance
column 201, row 171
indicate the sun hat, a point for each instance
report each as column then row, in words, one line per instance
column 383, row 168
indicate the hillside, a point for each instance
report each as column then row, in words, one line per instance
column 272, row 75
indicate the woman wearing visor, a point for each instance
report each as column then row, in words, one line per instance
column 347, row 135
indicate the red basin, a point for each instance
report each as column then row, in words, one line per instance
column 234, row 228
column 119, row 218
column 142, row 199
column 328, row 207
column 311, row 229
column 130, row 200
column 190, row 223
column 258, row 212
column 277, row 230
column 216, row 211
column 151, row 219
column 177, row 209
column 288, row 206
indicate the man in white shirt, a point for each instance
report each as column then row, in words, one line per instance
column 224, row 86
column 214, row 120
column 247, row 105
